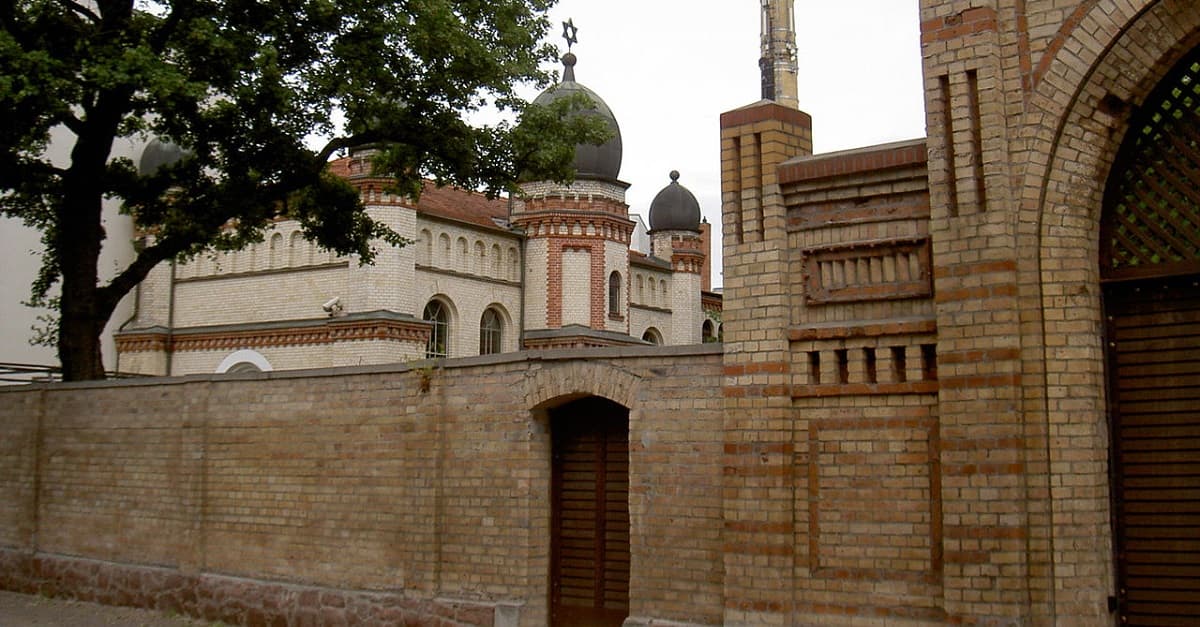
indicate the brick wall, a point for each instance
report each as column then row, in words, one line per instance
column 417, row 491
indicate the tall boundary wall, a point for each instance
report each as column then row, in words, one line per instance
column 412, row 494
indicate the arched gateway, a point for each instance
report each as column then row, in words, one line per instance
column 589, row 529
column 1150, row 265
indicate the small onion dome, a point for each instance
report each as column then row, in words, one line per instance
column 675, row 208
column 158, row 153
column 591, row 162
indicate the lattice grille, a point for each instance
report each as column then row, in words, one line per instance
column 1152, row 216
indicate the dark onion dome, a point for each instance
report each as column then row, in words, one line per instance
column 675, row 208
column 591, row 162
column 158, row 153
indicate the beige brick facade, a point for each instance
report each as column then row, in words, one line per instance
column 424, row 489
column 907, row 423
column 551, row 268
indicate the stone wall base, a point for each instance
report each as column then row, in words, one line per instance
column 235, row 600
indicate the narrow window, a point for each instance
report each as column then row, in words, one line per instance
column 614, row 295
column 929, row 362
column 439, row 319
column 869, row 365
column 899, row 364
column 490, row 332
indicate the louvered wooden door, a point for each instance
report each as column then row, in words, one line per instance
column 1154, row 362
column 590, row 521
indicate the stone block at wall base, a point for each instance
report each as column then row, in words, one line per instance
column 236, row 600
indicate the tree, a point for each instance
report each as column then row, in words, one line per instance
column 238, row 86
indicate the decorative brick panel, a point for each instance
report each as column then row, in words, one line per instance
column 861, row 271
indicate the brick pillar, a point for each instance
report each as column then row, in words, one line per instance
column 987, row 436
column 759, row 507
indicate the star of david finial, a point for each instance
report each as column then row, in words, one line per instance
column 570, row 33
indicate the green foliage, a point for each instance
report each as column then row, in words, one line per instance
column 239, row 85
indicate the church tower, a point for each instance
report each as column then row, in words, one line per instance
column 778, row 60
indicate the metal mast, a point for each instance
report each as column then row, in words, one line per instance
column 778, row 60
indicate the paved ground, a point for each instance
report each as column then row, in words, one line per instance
column 22, row 610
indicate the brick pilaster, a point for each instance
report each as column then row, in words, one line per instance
column 759, row 519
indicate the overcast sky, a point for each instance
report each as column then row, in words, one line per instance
column 669, row 68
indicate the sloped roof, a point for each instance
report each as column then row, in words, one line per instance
column 451, row 203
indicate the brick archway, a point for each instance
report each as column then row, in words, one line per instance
column 1075, row 122
column 556, row 383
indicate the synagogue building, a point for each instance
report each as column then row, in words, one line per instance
column 555, row 266
column 958, row 380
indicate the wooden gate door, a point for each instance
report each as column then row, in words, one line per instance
column 590, row 521
column 1154, row 337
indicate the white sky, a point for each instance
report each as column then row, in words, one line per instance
column 669, row 68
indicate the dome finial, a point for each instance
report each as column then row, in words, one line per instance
column 571, row 34
column 674, row 176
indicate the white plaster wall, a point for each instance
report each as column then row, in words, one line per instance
column 259, row 297
column 651, row 293
column 384, row 285
column 20, row 258
column 642, row 319
column 501, row 252
column 536, row 288
column 577, row 287
column 687, row 316
column 468, row 299
column 296, row 357
column 616, row 259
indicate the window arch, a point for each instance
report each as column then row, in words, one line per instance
column 244, row 361
column 427, row 246
column 652, row 336
column 464, row 260
column 708, row 331
column 274, row 256
column 295, row 249
column 491, row 332
column 480, row 258
column 614, row 294
column 437, row 314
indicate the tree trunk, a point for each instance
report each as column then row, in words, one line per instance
column 79, row 345
column 77, row 241
column 82, row 315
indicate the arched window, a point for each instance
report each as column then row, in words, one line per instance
column 464, row 259
column 244, row 361
column 708, row 332
column 438, row 316
column 296, row 250
column 514, row 272
column 427, row 247
column 491, row 332
column 652, row 336
column 614, row 294
column 276, row 255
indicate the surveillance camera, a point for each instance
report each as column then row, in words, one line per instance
column 333, row 305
